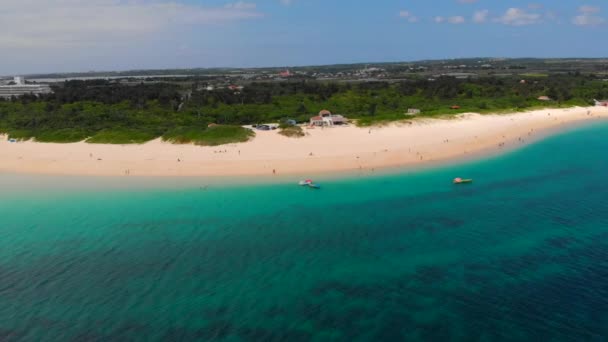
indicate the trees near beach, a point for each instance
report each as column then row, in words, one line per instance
column 129, row 111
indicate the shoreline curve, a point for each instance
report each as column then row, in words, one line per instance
column 397, row 146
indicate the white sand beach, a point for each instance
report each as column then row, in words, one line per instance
column 327, row 150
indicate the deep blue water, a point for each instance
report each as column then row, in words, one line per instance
column 521, row 254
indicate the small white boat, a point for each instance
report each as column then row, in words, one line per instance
column 309, row 183
column 462, row 181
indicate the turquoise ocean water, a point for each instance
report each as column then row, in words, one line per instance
column 522, row 254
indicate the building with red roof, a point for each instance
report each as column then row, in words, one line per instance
column 326, row 118
column 601, row 103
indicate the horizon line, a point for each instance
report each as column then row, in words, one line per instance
column 298, row 65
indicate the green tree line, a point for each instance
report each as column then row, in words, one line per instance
column 113, row 112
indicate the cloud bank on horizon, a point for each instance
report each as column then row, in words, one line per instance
column 75, row 35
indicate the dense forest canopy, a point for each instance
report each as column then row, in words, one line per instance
column 112, row 111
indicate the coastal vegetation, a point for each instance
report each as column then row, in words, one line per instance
column 214, row 135
column 292, row 131
column 101, row 111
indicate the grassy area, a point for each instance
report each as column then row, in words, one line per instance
column 221, row 135
column 531, row 74
column 18, row 134
column 212, row 136
column 292, row 131
column 65, row 135
column 184, row 135
column 121, row 136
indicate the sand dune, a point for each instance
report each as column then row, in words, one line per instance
column 327, row 150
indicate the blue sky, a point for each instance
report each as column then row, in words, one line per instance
column 75, row 35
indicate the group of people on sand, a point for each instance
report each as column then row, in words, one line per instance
column 226, row 151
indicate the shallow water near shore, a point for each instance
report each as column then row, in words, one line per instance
column 521, row 254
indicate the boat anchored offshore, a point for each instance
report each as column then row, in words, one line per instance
column 309, row 183
column 462, row 181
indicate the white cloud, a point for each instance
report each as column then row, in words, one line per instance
column 456, row 19
column 588, row 17
column 59, row 23
column 519, row 17
column 241, row 5
column 408, row 16
column 588, row 20
column 588, row 9
column 480, row 17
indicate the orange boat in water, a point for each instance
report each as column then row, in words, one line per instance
column 462, row 181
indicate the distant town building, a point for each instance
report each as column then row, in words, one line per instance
column 413, row 111
column 285, row 73
column 20, row 88
column 460, row 75
column 235, row 87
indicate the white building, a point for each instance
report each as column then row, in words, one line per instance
column 20, row 88
column 601, row 103
column 326, row 118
